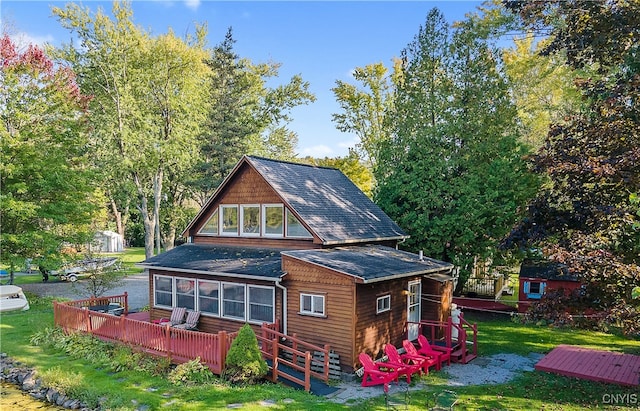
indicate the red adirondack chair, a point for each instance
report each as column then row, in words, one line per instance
column 427, row 349
column 376, row 373
column 404, row 367
column 425, row 360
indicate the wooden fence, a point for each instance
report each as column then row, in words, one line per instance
column 177, row 345
column 182, row 345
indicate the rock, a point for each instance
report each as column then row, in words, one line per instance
column 30, row 382
column 61, row 399
column 52, row 395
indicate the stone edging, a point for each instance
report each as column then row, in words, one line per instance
column 26, row 379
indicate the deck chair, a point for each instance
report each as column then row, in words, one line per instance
column 376, row 373
column 177, row 317
column 428, row 349
column 191, row 323
column 426, row 360
column 404, row 367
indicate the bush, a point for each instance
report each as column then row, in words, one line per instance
column 244, row 363
column 191, row 372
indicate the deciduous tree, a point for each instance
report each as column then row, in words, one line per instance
column 47, row 193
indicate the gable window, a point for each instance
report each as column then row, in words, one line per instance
column 261, row 304
column 163, row 291
column 295, row 227
column 273, row 220
column 229, row 219
column 211, row 226
column 250, row 216
column 383, row 304
column 209, row 297
column 312, row 304
column 233, row 301
column 185, row 293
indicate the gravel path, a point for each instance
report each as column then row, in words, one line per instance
column 497, row 369
column 137, row 286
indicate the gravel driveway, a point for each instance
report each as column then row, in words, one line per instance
column 137, row 286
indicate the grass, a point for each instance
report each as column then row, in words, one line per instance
column 129, row 389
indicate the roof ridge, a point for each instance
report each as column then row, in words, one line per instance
column 291, row 162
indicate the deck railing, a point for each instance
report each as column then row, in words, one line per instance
column 290, row 351
column 489, row 286
column 177, row 345
column 440, row 334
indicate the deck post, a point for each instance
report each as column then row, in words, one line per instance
column 126, row 303
column 326, row 362
column 167, row 330
column 88, row 320
column 307, row 371
column 294, row 347
column 274, row 361
column 222, row 349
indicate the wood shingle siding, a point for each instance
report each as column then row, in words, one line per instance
column 336, row 328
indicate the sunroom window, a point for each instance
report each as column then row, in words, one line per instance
column 163, row 291
column 233, row 301
column 209, row 297
column 185, row 293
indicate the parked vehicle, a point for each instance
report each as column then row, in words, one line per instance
column 85, row 268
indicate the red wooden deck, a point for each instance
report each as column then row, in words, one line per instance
column 594, row 365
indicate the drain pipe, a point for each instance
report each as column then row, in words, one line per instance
column 284, row 305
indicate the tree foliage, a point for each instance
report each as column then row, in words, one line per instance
column 452, row 173
column 587, row 217
column 47, row 196
column 364, row 110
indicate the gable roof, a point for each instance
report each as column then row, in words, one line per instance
column 237, row 262
column 325, row 200
column 372, row 263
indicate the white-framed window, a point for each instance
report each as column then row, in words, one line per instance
column 209, row 297
column 273, row 220
column 229, row 219
column 261, row 304
column 233, row 301
column 250, row 217
column 163, row 291
column 295, row 227
column 312, row 304
column 383, row 304
column 211, row 226
column 186, row 293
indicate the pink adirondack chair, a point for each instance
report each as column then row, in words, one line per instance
column 427, row 349
column 425, row 360
column 404, row 367
column 376, row 373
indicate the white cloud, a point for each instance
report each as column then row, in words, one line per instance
column 192, row 4
column 22, row 40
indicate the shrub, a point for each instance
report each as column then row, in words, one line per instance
column 191, row 372
column 244, row 363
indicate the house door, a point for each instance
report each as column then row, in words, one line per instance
column 413, row 309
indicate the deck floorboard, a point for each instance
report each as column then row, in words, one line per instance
column 594, row 365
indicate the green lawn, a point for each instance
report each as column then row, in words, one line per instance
column 128, row 389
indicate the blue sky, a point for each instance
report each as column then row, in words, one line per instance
column 322, row 41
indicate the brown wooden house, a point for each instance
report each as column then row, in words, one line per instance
column 304, row 246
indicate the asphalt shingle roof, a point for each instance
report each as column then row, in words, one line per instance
column 334, row 208
column 223, row 260
column 371, row 263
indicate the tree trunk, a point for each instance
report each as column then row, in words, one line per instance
column 118, row 216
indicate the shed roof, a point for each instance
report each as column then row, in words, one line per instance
column 334, row 208
column 241, row 262
column 548, row 270
column 372, row 263
column 366, row 263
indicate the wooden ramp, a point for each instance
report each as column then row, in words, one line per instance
column 594, row 365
